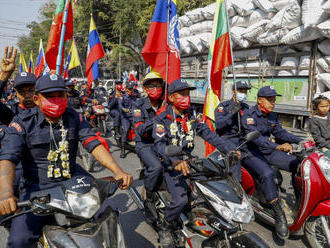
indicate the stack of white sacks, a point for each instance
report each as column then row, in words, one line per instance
column 267, row 22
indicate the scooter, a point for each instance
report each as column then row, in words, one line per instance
column 219, row 205
column 83, row 217
column 310, row 215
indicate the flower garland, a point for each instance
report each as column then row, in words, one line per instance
column 62, row 152
column 189, row 137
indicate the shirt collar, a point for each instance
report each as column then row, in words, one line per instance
column 259, row 113
column 42, row 119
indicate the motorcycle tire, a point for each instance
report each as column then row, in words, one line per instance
column 315, row 234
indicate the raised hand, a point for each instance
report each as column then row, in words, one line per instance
column 8, row 63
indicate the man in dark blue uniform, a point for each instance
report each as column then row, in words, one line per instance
column 126, row 104
column 100, row 94
column 264, row 152
column 24, row 87
column 227, row 118
column 178, row 126
column 74, row 99
column 143, row 116
column 33, row 138
column 114, row 108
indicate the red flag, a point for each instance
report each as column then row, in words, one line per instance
column 163, row 41
column 55, row 33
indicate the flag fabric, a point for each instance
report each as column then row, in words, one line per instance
column 31, row 64
column 22, row 63
column 220, row 53
column 40, row 64
column 55, row 33
column 163, row 41
column 94, row 53
column 72, row 60
column 218, row 59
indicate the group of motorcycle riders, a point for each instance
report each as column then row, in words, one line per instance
column 43, row 124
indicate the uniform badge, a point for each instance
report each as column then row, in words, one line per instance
column 271, row 87
column 16, row 126
column 160, row 130
column 220, row 109
column 250, row 121
column 23, row 74
column 137, row 113
column 53, row 77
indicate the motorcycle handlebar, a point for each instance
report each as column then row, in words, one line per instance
column 23, row 204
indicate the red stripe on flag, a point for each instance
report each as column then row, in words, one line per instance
column 221, row 59
column 95, row 54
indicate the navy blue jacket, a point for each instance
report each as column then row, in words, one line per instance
column 253, row 119
column 28, row 140
column 226, row 119
column 143, row 117
column 127, row 102
column 164, row 136
column 75, row 101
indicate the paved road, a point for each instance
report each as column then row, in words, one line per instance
column 137, row 232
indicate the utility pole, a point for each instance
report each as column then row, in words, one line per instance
column 119, row 66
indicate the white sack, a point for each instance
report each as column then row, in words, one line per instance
column 324, row 78
column 230, row 8
column 272, row 37
column 185, row 46
column 208, row 11
column 324, row 28
column 246, row 21
column 201, row 27
column 312, row 13
column 300, row 34
column 184, row 32
column 184, row 21
column 281, row 4
column 323, row 62
column 290, row 18
column 324, row 47
column 243, row 7
column 236, row 36
column 255, row 30
column 304, row 62
column 288, row 61
column 326, row 7
column 196, row 43
column 195, row 15
column 265, row 5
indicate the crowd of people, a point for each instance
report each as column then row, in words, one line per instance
column 42, row 121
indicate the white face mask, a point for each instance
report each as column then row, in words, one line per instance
column 241, row 97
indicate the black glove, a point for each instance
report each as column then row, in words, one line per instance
column 236, row 108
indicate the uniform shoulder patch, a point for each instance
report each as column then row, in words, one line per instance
column 220, row 109
column 160, row 130
column 16, row 126
column 250, row 121
column 137, row 113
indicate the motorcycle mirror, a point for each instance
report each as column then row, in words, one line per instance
column 252, row 136
column 172, row 151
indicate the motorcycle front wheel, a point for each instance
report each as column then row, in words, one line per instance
column 315, row 233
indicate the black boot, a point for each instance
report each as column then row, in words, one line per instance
column 117, row 133
column 281, row 226
column 150, row 208
column 122, row 150
column 165, row 235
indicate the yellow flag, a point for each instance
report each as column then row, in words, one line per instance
column 22, row 63
column 74, row 62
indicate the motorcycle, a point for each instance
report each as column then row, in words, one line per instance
column 98, row 119
column 310, row 215
column 81, row 217
column 218, row 203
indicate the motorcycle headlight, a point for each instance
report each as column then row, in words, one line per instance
column 242, row 213
column 84, row 205
column 324, row 163
column 218, row 204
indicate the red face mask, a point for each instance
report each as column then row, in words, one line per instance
column 155, row 93
column 265, row 111
column 54, row 107
column 183, row 103
column 119, row 87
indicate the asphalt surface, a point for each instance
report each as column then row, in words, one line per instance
column 138, row 233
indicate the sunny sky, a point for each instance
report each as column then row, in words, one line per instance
column 14, row 16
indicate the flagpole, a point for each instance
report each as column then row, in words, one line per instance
column 232, row 64
column 167, row 54
column 60, row 49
